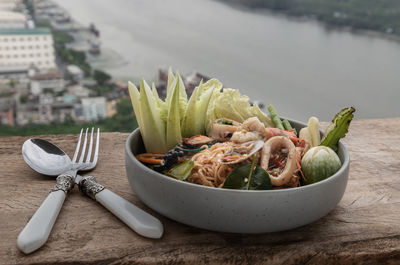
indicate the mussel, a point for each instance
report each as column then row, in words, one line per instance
column 223, row 129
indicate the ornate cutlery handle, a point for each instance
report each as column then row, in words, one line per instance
column 38, row 229
column 138, row 220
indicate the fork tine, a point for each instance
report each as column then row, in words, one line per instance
column 89, row 155
column 84, row 147
column 96, row 151
column 78, row 145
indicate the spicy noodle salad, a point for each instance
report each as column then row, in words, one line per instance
column 217, row 138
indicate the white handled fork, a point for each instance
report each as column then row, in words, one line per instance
column 38, row 229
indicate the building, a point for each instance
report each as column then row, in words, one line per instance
column 75, row 73
column 45, row 113
column 7, row 110
column 12, row 20
column 94, row 108
column 78, row 91
column 18, row 73
column 47, row 80
column 112, row 107
column 9, row 5
column 27, row 47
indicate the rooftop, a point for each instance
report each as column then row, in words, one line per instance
column 35, row 31
column 11, row 16
column 48, row 75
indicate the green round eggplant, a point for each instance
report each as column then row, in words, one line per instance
column 319, row 163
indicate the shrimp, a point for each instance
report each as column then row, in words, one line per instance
column 244, row 136
column 271, row 132
column 253, row 125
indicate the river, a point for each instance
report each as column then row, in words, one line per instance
column 301, row 67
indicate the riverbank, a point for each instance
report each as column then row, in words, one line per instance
column 372, row 18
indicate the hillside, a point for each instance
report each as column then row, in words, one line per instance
column 377, row 15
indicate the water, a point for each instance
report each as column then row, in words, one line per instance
column 299, row 66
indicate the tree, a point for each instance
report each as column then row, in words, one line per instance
column 101, row 77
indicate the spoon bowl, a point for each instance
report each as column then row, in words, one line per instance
column 45, row 157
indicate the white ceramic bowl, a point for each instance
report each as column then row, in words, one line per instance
column 236, row 211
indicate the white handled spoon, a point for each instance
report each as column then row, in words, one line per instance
column 48, row 159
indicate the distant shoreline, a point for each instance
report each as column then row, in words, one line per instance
column 326, row 24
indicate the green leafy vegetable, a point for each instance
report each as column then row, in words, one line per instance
column 275, row 117
column 182, row 170
column 338, row 128
column 159, row 121
column 232, row 105
column 262, row 116
column 173, row 121
column 195, row 115
column 163, row 123
column 149, row 119
column 248, row 177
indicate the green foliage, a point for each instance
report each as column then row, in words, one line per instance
column 122, row 121
column 101, row 77
column 48, row 91
column 102, row 89
column 62, row 37
column 378, row 15
column 74, row 57
column 23, row 99
column 43, row 24
column 29, row 5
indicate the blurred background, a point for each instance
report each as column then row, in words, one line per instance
column 65, row 64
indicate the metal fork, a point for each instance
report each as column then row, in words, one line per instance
column 138, row 220
column 53, row 161
column 38, row 229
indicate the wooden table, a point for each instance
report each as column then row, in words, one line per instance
column 363, row 228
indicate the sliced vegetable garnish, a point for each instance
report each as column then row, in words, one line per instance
column 182, row 170
column 338, row 128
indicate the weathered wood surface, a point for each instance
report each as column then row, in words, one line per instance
column 363, row 229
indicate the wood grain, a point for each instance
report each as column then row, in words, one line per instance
column 363, row 228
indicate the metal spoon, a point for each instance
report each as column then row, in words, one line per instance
column 48, row 159
column 258, row 144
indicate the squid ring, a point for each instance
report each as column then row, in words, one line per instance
column 273, row 144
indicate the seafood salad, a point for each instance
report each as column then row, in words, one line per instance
column 217, row 138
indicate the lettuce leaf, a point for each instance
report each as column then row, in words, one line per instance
column 152, row 127
column 173, row 134
column 225, row 105
column 134, row 94
column 232, row 105
column 338, row 128
column 194, row 121
column 210, row 114
column 161, row 104
column 264, row 118
column 183, row 101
